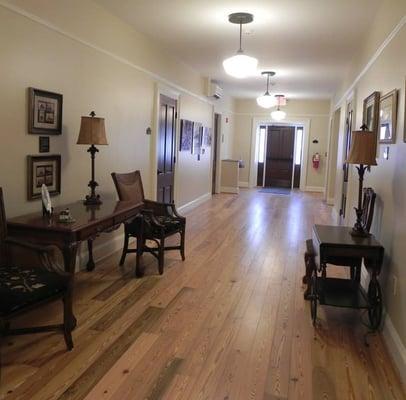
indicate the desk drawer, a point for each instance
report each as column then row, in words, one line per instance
column 95, row 229
column 127, row 216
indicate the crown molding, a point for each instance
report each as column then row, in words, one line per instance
column 50, row 26
column 372, row 60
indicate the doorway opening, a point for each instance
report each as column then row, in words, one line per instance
column 279, row 155
column 166, row 148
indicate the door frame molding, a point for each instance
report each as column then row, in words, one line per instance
column 256, row 122
column 175, row 95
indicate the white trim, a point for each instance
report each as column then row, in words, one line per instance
column 318, row 189
column 35, row 18
column 395, row 347
column 194, row 203
column 243, row 184
column 290, row 114
column 372, row 60
column 229, row 189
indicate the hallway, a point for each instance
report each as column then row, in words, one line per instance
column 228, row 323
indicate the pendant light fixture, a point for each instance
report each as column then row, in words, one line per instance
column 278, row 114
column 240, row 65
column 266, row 100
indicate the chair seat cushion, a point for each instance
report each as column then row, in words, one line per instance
column 22, row 287
column 171, row 225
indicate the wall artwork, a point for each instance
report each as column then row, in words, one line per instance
column 45, row 112
column 186, row 135
column 206, row 137
column 387, row 117
column 370, row 115
column 197, row 138
column 43, row 170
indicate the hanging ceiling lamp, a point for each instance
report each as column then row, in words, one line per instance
column 278, row 114
column 240, row 65
column 266, row 100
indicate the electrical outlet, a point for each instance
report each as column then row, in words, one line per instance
column 395, row 284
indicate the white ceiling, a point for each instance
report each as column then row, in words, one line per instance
column 309, row 43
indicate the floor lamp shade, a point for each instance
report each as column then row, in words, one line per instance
column 92, row 131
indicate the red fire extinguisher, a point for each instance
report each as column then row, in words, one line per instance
column 316, row 160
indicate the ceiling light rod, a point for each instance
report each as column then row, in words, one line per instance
column 268, row 74
column 240, row 18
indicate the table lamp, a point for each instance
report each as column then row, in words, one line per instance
column 362, row 152
column 92, row 131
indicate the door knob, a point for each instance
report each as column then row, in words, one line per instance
column 159, row 171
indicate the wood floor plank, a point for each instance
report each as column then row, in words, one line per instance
column 228, row 323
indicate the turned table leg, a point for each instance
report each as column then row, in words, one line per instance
column 90, row 264
column 69, row 252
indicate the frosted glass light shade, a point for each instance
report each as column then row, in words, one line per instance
column 266, row 101
column 240, row 66
column 278, row 115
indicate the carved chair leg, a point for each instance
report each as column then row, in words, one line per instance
column 125, row 248
column 161, row 250
column 182, row 243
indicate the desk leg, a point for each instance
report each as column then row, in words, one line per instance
column 90, row 264
column 69, row 252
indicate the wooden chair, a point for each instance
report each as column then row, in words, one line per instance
column 368, row 205
column 31, row 282
column 157, row 221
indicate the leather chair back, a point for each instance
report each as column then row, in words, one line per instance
column 129, row 186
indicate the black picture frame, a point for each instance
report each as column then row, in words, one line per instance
column 43, row 144
column 43, row 170
column 44, row 112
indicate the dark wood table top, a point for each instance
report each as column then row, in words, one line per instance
column 84, row 216
column 340, row 236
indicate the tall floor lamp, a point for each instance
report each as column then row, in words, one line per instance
column 92, row 131
column 362, row 152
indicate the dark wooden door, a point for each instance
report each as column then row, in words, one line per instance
column 166, row 149
column 279, row 156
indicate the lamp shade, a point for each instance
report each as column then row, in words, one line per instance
column 278, row 115
column 92, row 131
column 363, row 148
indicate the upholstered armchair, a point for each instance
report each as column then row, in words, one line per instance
column 29, row 278
column 156, row 223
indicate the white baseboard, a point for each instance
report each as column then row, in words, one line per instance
column 243, row 184
column 229, row 189
column 395, row 347
column 318, row 189
column 194, row 203
column 330, row 201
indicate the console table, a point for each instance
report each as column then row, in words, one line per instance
column 90, row 222
column 335, row 245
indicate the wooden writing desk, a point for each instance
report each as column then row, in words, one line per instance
column 90, row 222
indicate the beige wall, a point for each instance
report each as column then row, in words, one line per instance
column 100, row 64
column 316, row 112
column 388, row 178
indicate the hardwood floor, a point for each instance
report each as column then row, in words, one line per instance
column 228, row 323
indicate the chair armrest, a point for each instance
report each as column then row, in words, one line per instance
column 165, row 209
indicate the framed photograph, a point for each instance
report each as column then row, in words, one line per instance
column 43, row 170
column 197, row 138
column 43, row 144
column 186, row 135
column 370, row 115
column 44, row 112
column 387, row 117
